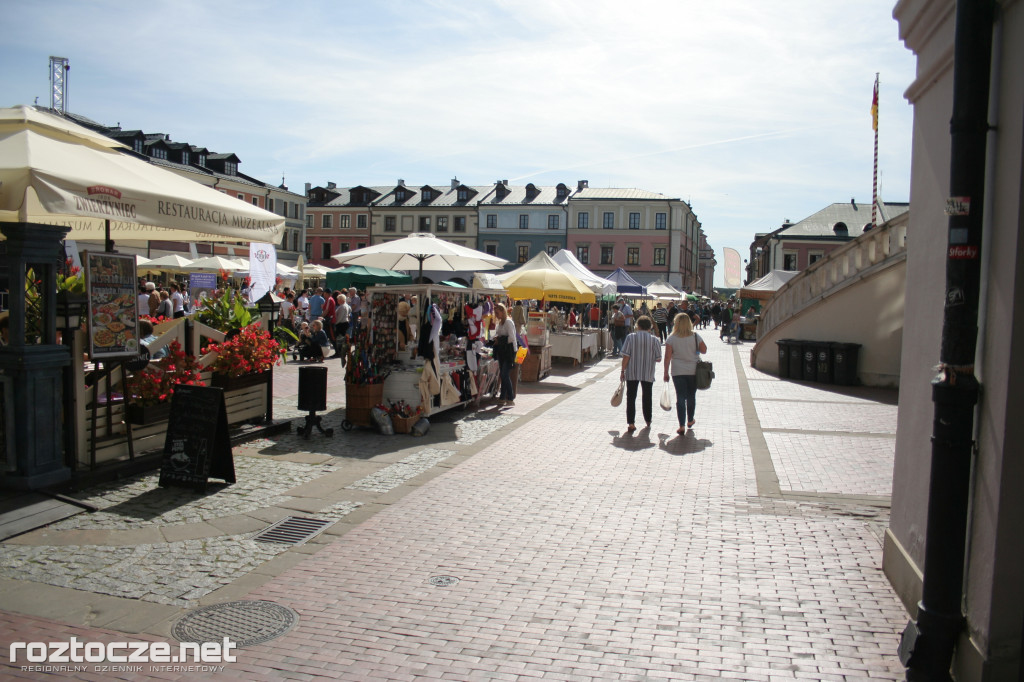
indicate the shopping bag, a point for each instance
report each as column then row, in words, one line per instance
column 617, row 396
column 705, row 373
column 666, row 398
column 521, row 355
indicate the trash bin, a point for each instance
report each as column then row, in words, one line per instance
column 783, row 345
column 796, row 359
column 809, row 361
column 823, row 354
column 844, row 363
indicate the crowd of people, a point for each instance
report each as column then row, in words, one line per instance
column 322, row 319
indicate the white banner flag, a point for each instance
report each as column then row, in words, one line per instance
column 262, row 269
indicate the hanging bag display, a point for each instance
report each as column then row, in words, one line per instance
column 705, row 370
column 666, row 398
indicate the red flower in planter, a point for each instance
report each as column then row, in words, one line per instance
column 250, row 351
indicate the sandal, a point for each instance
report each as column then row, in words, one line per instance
column 631, row 428
column 690, row 423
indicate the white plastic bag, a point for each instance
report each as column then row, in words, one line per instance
column 666, row 398
column 617, row 396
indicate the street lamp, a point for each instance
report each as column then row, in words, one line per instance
column 270, row 304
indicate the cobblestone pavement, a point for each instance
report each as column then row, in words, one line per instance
column 747, row 549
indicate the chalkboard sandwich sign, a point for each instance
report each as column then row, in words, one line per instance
column 197, row 446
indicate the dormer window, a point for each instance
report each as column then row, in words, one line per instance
column 138, row 146
column 427, row 195
column 185, row 158
column 159, row 153
column 463, row 194
column 563, row 191
column 400, row 195
column 230, row 168
column 202, row 160
column 841, row 230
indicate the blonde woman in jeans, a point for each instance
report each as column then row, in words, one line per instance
column 682, row 350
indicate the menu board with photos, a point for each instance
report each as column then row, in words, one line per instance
column 113, row 317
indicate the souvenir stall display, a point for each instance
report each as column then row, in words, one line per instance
column 438, row 357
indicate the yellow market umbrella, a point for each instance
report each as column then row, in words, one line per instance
column 542, row 278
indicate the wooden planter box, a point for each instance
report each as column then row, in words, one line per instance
column 234, row 383
column 143, row 415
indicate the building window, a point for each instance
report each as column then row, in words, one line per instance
column 463, row 194
column 789, row 260
column 491, row 249
column 296, row 211
column 659, row 255
column 609, row 220
column 361, row 221
column 814, row 257
column 583, row 254
column 553, row 222
column 633, row 255
column 583, row 221
column 159, row 153
column 424, row 223
column 442, row 223
column 185, row 158
column 309, row 250
column 606, row 255
column 492, row 220
column 660, row 221
column 202, row 160
column 138, row 146
column 460, row 223
column 309, row 221
column 360, row 245
column 389, row 223
column 552, row 249
column 230, row 168
column 400, row 195
column 523, row 253
column 256, row 201
column 270, row 204
column 344, row 247
column 242, row 197
column 343, row 221
column 325, row 251
column 524, row 221
column 427, row 195
column 295, row 244
column 634, row 221
column 326, row 221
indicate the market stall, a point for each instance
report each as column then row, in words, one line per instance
column 432, row 336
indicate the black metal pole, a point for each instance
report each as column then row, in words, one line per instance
column 927, row 646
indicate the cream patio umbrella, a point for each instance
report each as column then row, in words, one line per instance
column 421, row 250
column 169, row 263
column 55, row 172
column 217, row 263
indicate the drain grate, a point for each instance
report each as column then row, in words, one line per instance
column 243, row 622
column 293, row 530
column 443, row 580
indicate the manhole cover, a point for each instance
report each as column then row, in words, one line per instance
column 443, row 580
column 243, row 622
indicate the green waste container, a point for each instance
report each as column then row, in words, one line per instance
column 844, row 363
column 823, row 356
column 796, row 359
column 784, row 357
column 809, row 361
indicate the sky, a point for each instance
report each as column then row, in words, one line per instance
column 754, row 112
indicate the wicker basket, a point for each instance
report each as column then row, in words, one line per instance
column 403, row 424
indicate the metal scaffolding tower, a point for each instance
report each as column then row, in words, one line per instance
column 59, row 68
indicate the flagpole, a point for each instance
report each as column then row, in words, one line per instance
column 874, row 182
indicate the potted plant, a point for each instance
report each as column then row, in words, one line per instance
column 245, row 358
column 151, row 388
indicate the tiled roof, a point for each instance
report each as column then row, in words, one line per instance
column 517, row 196
column 620, row 194
column 854, row 216
column 449, row 197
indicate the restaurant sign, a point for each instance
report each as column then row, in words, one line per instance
column 113, row 318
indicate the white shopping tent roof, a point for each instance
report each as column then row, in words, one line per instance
column 662, row 289
column 773, row 281
column 56, row 172
column 568, row 262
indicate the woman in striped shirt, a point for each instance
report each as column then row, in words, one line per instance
column 639, row 355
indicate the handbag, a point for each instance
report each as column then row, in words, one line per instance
column 617, row 396
column 666, row 398
column 705, row 371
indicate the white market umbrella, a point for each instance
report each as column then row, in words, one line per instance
column 568, row 262
column 315, row 271
column 217, row 263
column 170, row 263
column 422, row 251
column 662, row 289
column 542, row 278
column 56, row 172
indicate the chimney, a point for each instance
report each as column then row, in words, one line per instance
column 582, row 184
column 401, row 182
column 331, row 185
column 309, row 186
column 455, row 183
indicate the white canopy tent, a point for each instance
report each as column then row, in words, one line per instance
column 568, row 262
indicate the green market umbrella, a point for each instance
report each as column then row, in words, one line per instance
column 360, row 276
